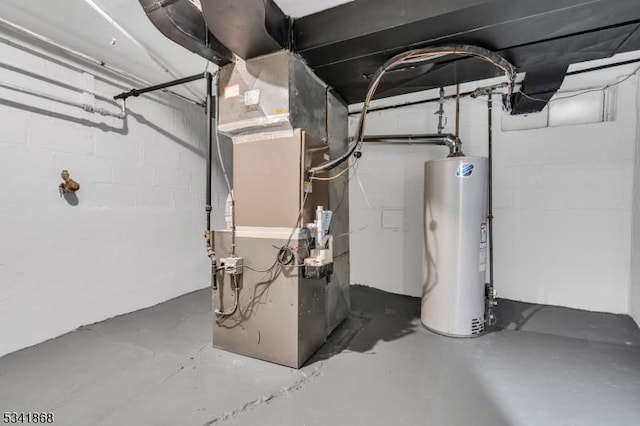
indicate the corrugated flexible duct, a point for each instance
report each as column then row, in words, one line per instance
column 182, row 21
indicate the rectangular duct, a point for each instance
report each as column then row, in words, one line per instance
column 272, row 93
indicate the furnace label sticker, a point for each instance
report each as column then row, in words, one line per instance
column 232, row 91
column 465, row 170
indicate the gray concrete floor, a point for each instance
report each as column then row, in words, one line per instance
column 542, row 366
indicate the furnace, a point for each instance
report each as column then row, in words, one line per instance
column 282, row 281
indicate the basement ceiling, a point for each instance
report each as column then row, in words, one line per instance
column 345, row 42
column 75, row 24
column 541, row 38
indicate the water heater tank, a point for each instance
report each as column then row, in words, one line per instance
column 455, row 244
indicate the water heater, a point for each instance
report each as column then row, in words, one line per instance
column 455, row 246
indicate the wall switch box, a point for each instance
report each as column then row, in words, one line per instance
column 232, row 265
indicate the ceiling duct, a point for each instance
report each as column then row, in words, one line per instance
column 250, row 28
column 182, row 21
column 346, row 44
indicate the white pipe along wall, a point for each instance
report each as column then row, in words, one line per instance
column 562, row 199
column 634, row 283
column 131, row 237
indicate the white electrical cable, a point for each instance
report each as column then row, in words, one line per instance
column 17, row 68
column 224, row 170
column 366, row 200
column 154, row 57
column 51, row 45
column 584, row 92
column 222, row 167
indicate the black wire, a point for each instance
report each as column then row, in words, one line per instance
column 285, row 256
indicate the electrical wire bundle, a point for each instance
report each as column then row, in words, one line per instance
column 411, row 57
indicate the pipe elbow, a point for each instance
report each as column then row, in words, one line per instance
column 455, row 146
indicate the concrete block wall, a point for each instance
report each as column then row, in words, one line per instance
column 634, row 282
column 131, row 237
column 562, row 199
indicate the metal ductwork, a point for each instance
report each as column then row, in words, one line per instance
column 182, row 21
column 250, row 28
column 346, row 44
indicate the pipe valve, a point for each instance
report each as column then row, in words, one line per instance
column 69, row 185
